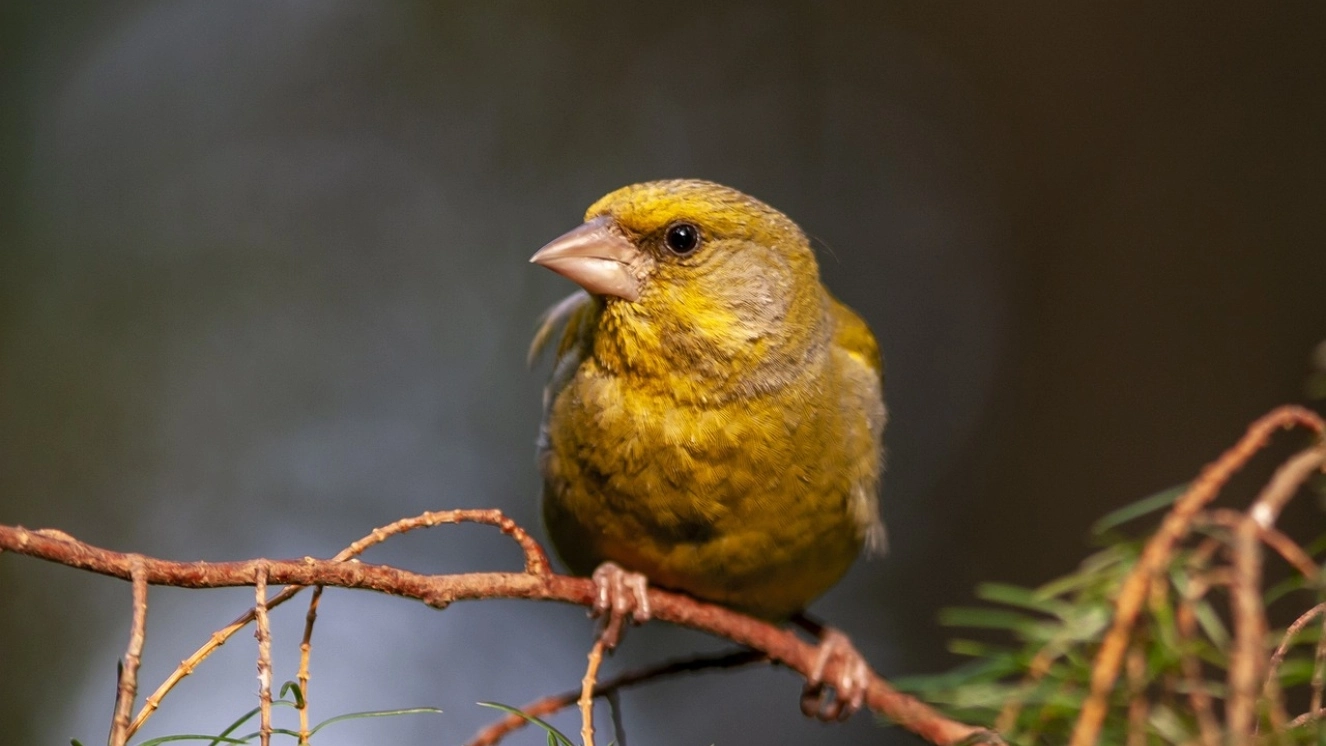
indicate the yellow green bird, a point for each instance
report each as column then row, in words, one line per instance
column 714, row 419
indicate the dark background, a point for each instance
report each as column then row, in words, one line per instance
column 263, row 286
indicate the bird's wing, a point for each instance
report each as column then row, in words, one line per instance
column 853, row 335
column 562, row 313
column 574, row 314
column 865, row 377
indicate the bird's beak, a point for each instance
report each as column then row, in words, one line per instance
column 595, row 256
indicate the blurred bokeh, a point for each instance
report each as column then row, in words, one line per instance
column 263, row 286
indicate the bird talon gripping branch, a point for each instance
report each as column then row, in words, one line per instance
column 841, row 697
column 618, row 595
column 714, row 419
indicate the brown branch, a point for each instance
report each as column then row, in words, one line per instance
column 1287, row 548
column 1138, row 706
column 1156, row 556
column 536, row 562
column 127, row 689
column 494, row 733
column 1284, row 483
column 1036, row 670
column 587, row 692
column 1247, row 656
column 438, row 591
column 1198, row 696
column 1310, row 716
column 263, row 633
column 1319, row 670
column 305, row 651
column 1287, row 642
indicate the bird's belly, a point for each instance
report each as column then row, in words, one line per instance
column 739, row 504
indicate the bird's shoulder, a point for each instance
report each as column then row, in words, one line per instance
column 853, row 335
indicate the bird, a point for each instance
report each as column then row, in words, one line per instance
column 713, row 423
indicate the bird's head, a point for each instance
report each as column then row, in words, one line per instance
column 693, row 273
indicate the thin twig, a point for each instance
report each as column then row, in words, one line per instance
column 1247, row 655
column 1284, row 483
column 494, row 733
column 587, row 692
column 1138, row 707
column 305, row 649
column 1157, row 553
column 1319, row 669
column 1287, row 642
column 1186, row 624
column 1307, row 717
column 1287, row 548
column 1036, row 670
column 133, row 657
column 536, row 562
column 264, row 634
column 439, row 591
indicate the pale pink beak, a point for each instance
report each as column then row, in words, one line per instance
column 596, row 257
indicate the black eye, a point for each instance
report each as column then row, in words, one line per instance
column 682, row 238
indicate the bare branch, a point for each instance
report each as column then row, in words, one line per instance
column 587, row 692
column 536, row 562
column 548, row 705
column 263, row 633
column 439, row 591
column 1247, row 657
column 1157, row 554
column 305, row 650
column 1186, row 623
column 133, row 656
column 1284, row 483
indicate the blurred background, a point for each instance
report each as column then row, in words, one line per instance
column 263, row 286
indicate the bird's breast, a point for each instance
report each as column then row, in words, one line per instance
column 685, row 469
column 740, row 500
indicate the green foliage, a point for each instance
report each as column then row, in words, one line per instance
column 228, row 736
column 1033, row 682
column 555, row 737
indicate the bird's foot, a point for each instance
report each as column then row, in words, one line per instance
column 848, row 686
column 618, row 594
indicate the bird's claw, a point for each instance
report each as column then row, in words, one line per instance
column 848, row 686
column 618, row 594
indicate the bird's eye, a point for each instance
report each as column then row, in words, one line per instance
column 682, row 238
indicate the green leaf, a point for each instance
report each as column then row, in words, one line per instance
column 1087, row 624
column 983, row 650
column 1138, row 509
column 560, row 739
column 374, row 714
column 293, row 686
column 232, row 727
column 1169, row 725
column 1211, row 624
column 968, row 616
column 275, row 731
column 191, row 737
column 1026, row 598
column 223, row 737
column 1284, row 588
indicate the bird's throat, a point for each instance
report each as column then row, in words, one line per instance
column 703, row 361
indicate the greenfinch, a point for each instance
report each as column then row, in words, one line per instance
column 714, row 419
